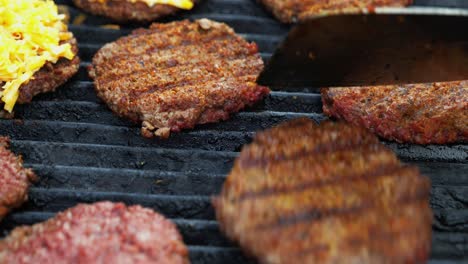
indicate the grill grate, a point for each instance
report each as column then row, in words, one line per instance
column 83, row 153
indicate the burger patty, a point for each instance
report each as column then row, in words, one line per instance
column 176, row 75
column 434, row 113
column 103, row 232
column 291, row 11
column 14, row 179
column 49, row 77
column 125, row 11
column 303, row 193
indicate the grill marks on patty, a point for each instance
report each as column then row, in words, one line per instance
column 340, row 238
column 288, row 198
column 432, row 113
column 176, row 75
column 289, row 11
column 14, row 179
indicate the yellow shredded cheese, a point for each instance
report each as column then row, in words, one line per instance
column 30, row 36
column 182, row 4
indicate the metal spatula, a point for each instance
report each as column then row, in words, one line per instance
column 390, row 46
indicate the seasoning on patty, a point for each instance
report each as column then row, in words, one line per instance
column 134, row 10
column 303, row 193
column 289, row 11
column 37, row 53
column 103, row 232
column 14, row 179
column 177, row 75
column 433, row 113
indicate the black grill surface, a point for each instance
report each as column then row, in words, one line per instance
column 84, row 153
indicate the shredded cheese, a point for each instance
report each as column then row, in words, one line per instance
column 182, row 4
column 30, row 36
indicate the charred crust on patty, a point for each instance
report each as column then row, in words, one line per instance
column 174, row 76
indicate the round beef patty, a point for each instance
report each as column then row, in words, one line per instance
column 329, row 193
column 435, row 113
column 291, row 11
column 173, row 76
column 48, row 78
column 103, row 232
column 125, row 11
column 14, row 179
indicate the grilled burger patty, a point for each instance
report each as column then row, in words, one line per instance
column 176, row 75
column 302, row 193
column 435, row 113
column 103, row 232
column 49, row 77
column 289, row 11
column 14, row 179
column 124, row 11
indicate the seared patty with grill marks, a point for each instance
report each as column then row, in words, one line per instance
column 434, row 113
column 289, row 11
column 303, row 193
column 125, row 11
column 48, row 78
column 176, row 75
column 102, row 232
column 14, row 179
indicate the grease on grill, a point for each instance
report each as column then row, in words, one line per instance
column 79, row 19
column 111, row 26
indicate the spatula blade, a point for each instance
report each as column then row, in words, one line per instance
column 370, row 49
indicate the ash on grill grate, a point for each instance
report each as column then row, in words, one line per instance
column 84, row 153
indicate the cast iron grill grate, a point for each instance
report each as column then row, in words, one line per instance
column 83, row 153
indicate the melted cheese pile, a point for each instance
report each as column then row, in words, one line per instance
column 182, row 4
column 30, row 36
